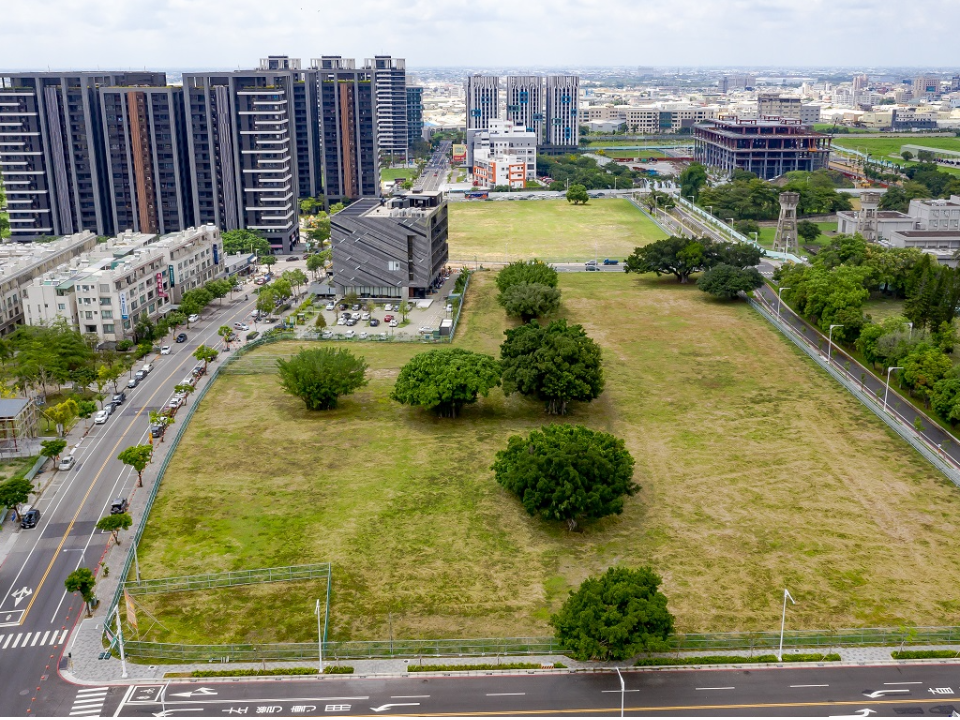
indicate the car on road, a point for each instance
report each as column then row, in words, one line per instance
column 119, row 398
column 139, row 375
column 590, row 263
column 175, row 402
column 608, row 261
column 193, row 318
column 592, row 268
column 293, row 258
column 101, row 417
column 119, row 505
column 156, row 430
column 198, row 370
column 67, row 462
column 241, row 326
column 31, row 517
column 165, row 350
column 109, row 408
column 147, row 368
column 181, row 338
column 133, row 382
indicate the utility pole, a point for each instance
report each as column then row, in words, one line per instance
column 123, row 656
column 319, row 637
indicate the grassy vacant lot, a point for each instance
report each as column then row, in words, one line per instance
column 394, row 173
column 758, row 473
column 891, row 146
column 633, row 154
column 553, row 230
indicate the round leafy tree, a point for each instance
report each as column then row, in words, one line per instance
column 320, row 376
column 527, row 271
column 615, row 616
column 446, row 380
column 726, row 281
column 529, row 300
column 567, row 472
column 554, row 363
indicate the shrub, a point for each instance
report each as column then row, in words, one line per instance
column 923, row 654
column 737, row 659
column 254, row 672
column 338, row 670
column 479, row 666
column 124, row 345
column 252, row 335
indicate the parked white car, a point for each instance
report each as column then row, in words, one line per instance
column 388, row 307
column 176, row 401
column 165, row 350
column 193, row 318
column 349, row 334
column 101, row 417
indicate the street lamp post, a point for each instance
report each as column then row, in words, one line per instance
column 623, row 691
column 885, row 392
column 779, row 300
column 830, row 341
column 123, row 655
column 783, row 621
column 319, row 637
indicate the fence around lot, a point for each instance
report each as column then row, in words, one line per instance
column 231, row 578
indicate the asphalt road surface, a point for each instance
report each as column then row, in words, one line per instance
column 786, row 692
column 435, row 171
column 36, row 612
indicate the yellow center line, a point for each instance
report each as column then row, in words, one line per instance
column 36, row 592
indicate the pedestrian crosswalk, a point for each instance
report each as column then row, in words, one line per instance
column 12, row 641
column 89, row 702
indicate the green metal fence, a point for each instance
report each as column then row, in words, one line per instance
column 210, row 581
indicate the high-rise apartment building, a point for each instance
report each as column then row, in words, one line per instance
column 483, row 100
column 926, row 87
column 860, row 82
column 145, row 156
column 51, row 154
column 348, row 116
column 414, row 115
column 787, row 106
column 561, row 105
column 390, row 81
column 254, row 147
column 525, row 103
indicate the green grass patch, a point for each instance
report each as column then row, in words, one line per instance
column 880, row 308
column 619, row 154
column 890, row 149
column 479, row 666
column 923, row 654
column 394, row 173
column 737, row 659
column 757, row 471
column 552, row 230
column 256, row 672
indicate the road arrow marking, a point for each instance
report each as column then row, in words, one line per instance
column 171, row 711
column 20, row 594
column 880, row 693
column 393, row 705
column 198, row 691
column 858, row 714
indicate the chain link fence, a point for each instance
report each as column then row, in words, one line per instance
column 231, row 578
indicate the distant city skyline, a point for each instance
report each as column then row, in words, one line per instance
column 215, row 34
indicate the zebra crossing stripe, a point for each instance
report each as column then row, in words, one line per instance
column 44, row 641
column 36, row 638
column 9, row 638
column 62, row 637
column 17, row 641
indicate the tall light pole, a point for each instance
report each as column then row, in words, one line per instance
column 830, row 341
column 885, row 392
column 779, row 299
column 123, row 655
column 783, row 621
column 319, row 637
column 623, row 691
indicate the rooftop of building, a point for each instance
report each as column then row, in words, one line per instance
column 928, row 233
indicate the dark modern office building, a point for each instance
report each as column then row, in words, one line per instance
column 767, row 147
column 414, row 115
column 390, row 81
column 390, row 248
column 52, row 155
column 254, row 149
column 348, row 116
column 146, row 159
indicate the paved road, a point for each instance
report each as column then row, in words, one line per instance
column 36, row 613
column 811, row 691
column 435, row 171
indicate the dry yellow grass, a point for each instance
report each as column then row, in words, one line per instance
column 758, row 472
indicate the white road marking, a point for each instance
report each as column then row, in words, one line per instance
column 36, row 637
column 42, row 642
column 503, row 694
column 802, row 686
column 407, row 697
column 911, row 682
column 729, row 687
column 62, row 637
column 16, row 642
column 618, row 691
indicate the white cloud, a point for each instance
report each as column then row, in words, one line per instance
column 230, row 33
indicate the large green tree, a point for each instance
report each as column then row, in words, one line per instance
column 555, row 363
column 82, row 580
column 15, row 493
column 577, row 194
column 446, row 380
column 245, row 241
column 529, row 300
column 681, row 257
column 114, row 524
column 206, row 354
column 321, row 376
column 692, row 179
column 53, row 448
column 923, row 368
column 615, row 616
column 727, row 282
column 137, row 457
column 527, row 271
column 567, row 473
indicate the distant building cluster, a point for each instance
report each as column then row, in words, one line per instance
column 108, row 152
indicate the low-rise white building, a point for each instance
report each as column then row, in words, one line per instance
column 503, row 155
column 106, row 291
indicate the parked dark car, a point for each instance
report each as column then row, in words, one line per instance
column 181, row 338
column 374, row 322
column 30, row 518
column 156, row 430
column 119, row 505
column 592, row 268
column 292, row 258
column 119, row 398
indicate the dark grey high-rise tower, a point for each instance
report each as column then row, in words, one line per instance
column 414, row 115
column 52, row 157
column 254, row 147
column 390, row 80
column 146, row 159
column 348, row 115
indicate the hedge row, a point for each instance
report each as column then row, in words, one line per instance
column 252, row 672
column 923, row 654
column 480, row 666
column 738, row 659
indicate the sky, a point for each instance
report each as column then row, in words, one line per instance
column 176, row 34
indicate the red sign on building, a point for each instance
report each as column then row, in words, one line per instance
column 160, row 291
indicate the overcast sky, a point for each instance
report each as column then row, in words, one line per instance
column 547, row 33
